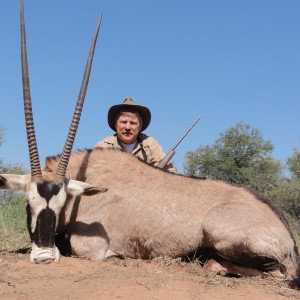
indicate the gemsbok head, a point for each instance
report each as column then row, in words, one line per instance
column 45, row 198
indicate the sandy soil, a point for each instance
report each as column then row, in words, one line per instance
column 77, row 278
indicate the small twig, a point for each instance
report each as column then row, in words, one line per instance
column 142, row 284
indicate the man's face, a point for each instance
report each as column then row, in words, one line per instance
column 128, row 128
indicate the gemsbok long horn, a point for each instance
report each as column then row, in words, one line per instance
column 36, row 173
column 62, row 166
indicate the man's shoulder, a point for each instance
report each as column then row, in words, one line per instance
column 147, row 140
column 108, row 141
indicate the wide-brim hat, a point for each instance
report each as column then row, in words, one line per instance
column 128, row 105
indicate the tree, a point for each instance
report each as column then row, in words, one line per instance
column 293, row 164
column 287, row 193
column 240, row 156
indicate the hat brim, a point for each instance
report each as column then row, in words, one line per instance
column 143, row 111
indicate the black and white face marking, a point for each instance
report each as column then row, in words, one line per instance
column 44, row 203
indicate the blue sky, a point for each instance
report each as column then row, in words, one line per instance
column 228, row 61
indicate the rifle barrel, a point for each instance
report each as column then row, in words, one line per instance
column 194, row 123
column 171, row 153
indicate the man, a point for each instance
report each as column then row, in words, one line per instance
column 128, row 120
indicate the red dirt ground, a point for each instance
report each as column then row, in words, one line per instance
column 76, row 278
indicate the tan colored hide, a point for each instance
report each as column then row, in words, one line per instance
column 147, row 213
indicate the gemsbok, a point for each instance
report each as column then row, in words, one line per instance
column 109, row 202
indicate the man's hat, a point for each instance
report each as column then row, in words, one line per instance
column 128, row 105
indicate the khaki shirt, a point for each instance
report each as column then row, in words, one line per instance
column 146, row 148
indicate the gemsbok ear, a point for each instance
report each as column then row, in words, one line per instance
column 14, row 182
column 79, row 188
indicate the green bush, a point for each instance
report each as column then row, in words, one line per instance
column 240, row 156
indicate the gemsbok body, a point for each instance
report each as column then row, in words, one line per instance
column 147, row 213
column 108, row 201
